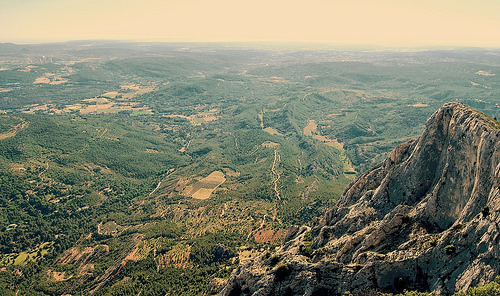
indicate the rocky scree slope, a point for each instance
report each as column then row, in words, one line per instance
column 427, row 219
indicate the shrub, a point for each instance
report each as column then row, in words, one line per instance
column 491, row 289
column 459, row 227
column 485, row 211
column 282, row 271
column 306, row 250
column 274, row 260
column 450, row 249
column 307, row 237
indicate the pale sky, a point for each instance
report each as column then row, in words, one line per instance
column 357, row 22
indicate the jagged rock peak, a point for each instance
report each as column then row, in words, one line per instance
column 427, row 218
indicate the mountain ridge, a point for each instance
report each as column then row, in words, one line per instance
column 424, row 219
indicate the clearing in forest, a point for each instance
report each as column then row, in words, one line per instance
column 206, row 186
column 177, row 257
column 485, row 73
column 50, row 78
column 104, row 107
column 110, row 228
column 272, row 131
column 269, row 144
column 23, row 258
column 312, row 130
column 419, row 105
column 246, row 254
column 197, row 119
column 14, row 130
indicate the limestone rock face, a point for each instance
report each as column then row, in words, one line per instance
column 427, row 219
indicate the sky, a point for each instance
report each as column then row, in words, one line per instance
column 343, row 22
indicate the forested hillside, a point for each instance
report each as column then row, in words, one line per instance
column 158, row 168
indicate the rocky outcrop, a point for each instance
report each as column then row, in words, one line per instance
column 427, row 219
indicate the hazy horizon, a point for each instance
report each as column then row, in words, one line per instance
column 384, row 23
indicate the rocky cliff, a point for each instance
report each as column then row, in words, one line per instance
column 427, row 219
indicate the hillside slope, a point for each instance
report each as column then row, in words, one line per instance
column 427, row 218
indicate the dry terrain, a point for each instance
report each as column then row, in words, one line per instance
column 206, row 186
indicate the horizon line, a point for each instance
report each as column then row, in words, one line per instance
column 294, row 43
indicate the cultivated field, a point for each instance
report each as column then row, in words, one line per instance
column 203, row 188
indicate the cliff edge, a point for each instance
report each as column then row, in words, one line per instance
column 427, row 218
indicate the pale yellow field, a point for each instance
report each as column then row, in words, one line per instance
column 28, row 68
column 98, row 108
column 278, row 79
column 130, row 87
column 36, row 107
column 271, row 110
column 245, row 255
column 148, row 150
column 270, row 144
column 261, row 119
column 272, row 131
column 485, row 73
column 110, row 94
column 144, row 90
column 50, row 78
column 202, row 193
column 216, row 177
column 418, row 105
column 42, row 79
column 58, row 276
column 310, row 128
column 176, row 115
column 204, row 188
column 199, row 118
column 73, row 107
column 97, row 100
column 58, row 81
column 106, row 107
column 108, row 102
